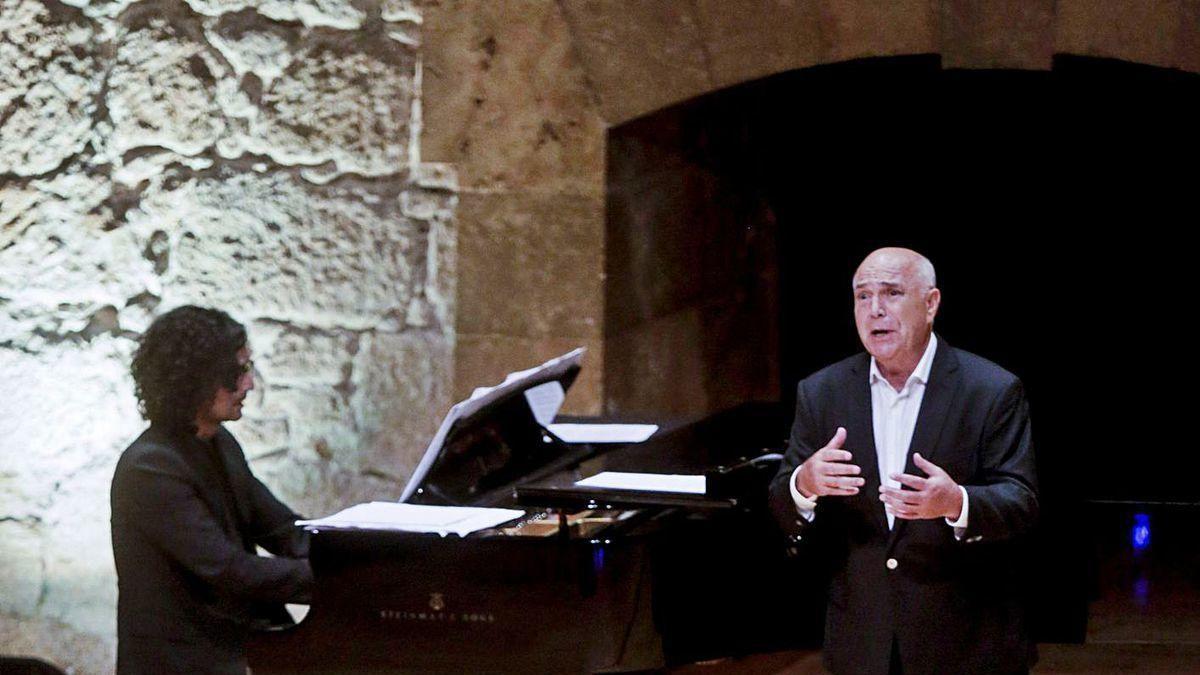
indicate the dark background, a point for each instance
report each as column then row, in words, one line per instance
column 1057, row 208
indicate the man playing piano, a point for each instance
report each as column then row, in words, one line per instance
column 187, row 513
column 912, row 463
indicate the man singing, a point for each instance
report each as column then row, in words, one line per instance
column 913, row 464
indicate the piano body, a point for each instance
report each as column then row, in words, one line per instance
column 589, row 580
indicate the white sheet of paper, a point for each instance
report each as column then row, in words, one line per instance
column 479, row 398
column 443, row 520
column 647, row 482
column 545, row 401
column 603, row 433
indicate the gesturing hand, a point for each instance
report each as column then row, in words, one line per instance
column 937, row 496
column 829, row 471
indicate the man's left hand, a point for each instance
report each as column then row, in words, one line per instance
column 936, row 496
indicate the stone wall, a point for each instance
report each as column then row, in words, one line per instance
column 266, row 155
column 509, row 105
column 260, row 156
column 520, row 95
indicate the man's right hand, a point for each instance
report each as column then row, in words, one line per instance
column 829, row 471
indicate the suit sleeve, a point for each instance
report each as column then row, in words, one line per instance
column 271, row 524
column 1003, row 496
column 801, row 446
column 275, row 524
column 171, row 513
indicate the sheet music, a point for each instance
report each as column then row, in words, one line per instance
column 545, row 400
column 647, row 482
column 443, row 520
column 603, row 433
column 480, row 398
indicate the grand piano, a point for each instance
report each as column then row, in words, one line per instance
column 586, row 580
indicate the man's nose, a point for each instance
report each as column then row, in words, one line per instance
column 876, row 306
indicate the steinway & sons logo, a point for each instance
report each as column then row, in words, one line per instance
column 437, row 607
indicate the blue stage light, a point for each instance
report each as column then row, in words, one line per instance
column 1141, row 531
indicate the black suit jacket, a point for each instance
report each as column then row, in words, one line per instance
column 186, row 517
column 953, row 606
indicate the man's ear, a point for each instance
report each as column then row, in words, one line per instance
column 933, row 300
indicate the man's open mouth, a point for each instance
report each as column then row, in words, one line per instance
column 880, row 331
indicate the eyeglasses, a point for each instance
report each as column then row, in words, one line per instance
column 247, row 367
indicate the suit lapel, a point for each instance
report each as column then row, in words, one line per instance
column 860, row 437
column 940, row 391
column 226, row 451
column 210, row 461
column 935, row 404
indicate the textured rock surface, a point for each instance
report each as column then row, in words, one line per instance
column 162, row 84
column 21, row 560
column 488, row 357
column 545, row 135
column 339, row 101
column 852, row 29
column 266, row 155
column 48, row 68
column 1145, row 31
column 639, row 56
column 508, row 101
column 57, row 643
column 344, row 14
column 337, row 254
column 257, row 156
column 539, row 255
column 1188, row 41
column 747, row 39
column 998, row 34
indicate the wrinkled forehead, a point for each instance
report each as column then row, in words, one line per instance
column 885, row 271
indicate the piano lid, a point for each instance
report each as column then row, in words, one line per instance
column 491, row 440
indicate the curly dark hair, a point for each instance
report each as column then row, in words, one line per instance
column 181, row 360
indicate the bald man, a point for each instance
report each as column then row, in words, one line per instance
column 912, row 464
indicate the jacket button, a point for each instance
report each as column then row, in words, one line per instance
column 892, row 563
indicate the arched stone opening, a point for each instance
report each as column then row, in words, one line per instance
column 1049, row 200
column 519, row 97
column 736, row 219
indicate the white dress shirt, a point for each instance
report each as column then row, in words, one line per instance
column 893, row 417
